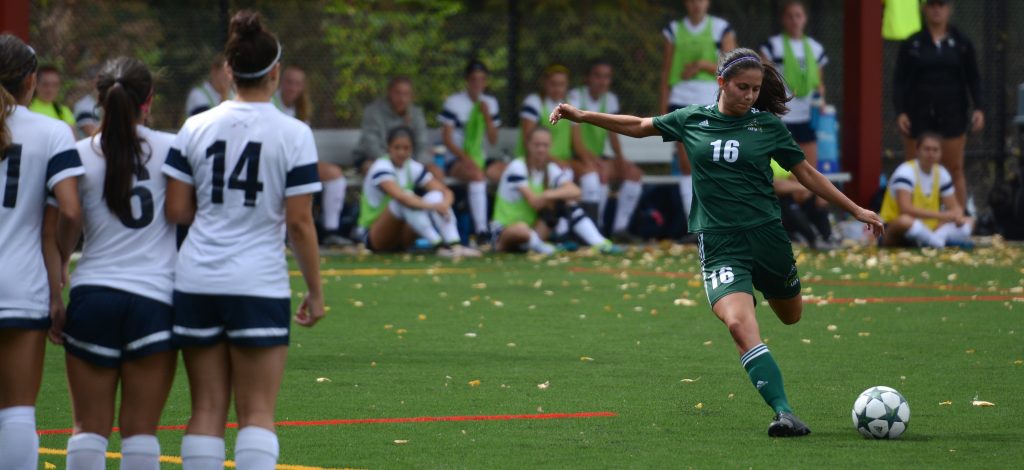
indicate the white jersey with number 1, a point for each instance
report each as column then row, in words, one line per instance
column 135, row 254
column 244, row 160
column 41, row 154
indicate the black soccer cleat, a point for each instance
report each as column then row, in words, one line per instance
column 787, row 425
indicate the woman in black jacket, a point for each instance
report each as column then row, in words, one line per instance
column 936, row 82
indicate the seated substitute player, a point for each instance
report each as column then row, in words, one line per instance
column 211, row 92
column 469, row 118
column 47, row 94
column 735, row 212
column 589, row 144
column 920, row 205
column 800, row 210
column 118, row 328
column 393, row 215
column 37, row 158
column 536, row 199
column 246, row 187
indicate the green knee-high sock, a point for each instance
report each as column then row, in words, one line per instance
column 765, row 375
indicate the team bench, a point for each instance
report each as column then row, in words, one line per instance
column 655, row 156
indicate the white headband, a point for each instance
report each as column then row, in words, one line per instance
column 734, row 62
column 261, row 72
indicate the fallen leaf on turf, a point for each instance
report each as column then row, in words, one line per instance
column 699, row 406
column 707, row 343
column 401, row 331
column 474, row 383
column 498, row 303
column 731, row 395
column 479, row 285
column 48, row 465
column 688, row 381
column 357, row 304
column 321, row 380
column 982, row 403
column 970, row 351
column 864, row 333
column 466, row 303
column 544, row 386
column 401, row 441
column 685, row 302
column 470, row 335
column 388, row 327
column 832, row 328
column 511, row 345
column 945, row 403
column 805, row 341
column 422, row 317
column 860, row 301
column 1018, row 362
column 586, row 359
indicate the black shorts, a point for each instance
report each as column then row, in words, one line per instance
column 802, row 132
column 205, row 320
column 106, row 326
column 947, row 118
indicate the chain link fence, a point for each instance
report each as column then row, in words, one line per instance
column 349, row 48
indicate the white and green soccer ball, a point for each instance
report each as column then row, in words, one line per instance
column 881, row 413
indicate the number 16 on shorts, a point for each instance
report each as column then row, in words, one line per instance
column 713, row 279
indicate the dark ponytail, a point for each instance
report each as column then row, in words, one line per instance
column 773, row 96
column 17, row 61
column 251, row 50
column 124, row 85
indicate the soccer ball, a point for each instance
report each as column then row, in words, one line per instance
column 881, row 413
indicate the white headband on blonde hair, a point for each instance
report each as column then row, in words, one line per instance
column 263, row 72
column 736, row 61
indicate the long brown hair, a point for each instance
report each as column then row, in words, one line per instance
column 17, row 61
column 773, row 96
column 124, row 85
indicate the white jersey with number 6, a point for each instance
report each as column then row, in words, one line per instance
column 135, row 254
column 243, row 159
column 41, row 154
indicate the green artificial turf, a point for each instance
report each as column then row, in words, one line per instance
column 610, row 334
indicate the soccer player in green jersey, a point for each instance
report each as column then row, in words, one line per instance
column 735, row 212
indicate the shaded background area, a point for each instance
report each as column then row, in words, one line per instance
column 350, row 47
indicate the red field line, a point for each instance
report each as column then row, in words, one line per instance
column 418, row 419
column 876, row 300
column 820, row 282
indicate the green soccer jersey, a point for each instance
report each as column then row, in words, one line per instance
column 731, row 161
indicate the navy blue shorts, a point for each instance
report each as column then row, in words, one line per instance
column 106, row 326
column 24, row 319
column 205, row 320
column 802, row 132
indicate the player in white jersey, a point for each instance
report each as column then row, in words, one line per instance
column 243, row 174
column 212, row 92
column 118, row 325
column 536, row 200
column 37, row 157
column 589, row 144
column 393, row 215
column 469, row 119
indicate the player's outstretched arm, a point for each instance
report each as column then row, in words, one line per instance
column 619, row 123
column 820, row 185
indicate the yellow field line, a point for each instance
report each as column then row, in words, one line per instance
column 177, row 460
column 388, row 271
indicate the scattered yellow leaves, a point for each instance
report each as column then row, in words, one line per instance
column 707, row 343
column 805, row 341
column 699, row 406
column 685, row 302
column 586, row 359
column 970, row 351
column 474, row 383
column 689, row 381
column 479, row 285
column 864, row 333
column 401, row 441
column 945, row 403
column 544, row 386
column 832, row 328
column 48, row 465
column 982, row 403
column 321, row 380
column 421, row 317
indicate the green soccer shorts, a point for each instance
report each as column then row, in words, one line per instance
column 761, row 258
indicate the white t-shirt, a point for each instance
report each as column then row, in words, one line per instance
column 580, row 97
column 135, row 255
column 533, row 109
column 42, row 153
column 87, row 113
column 773, row 48
column 689, row 92
column 412, row 175
column 456, row 112
column 517, row 175
column 905, row 179
column 244, row 160
column 201, row 98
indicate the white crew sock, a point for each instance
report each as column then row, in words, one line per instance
column 19, row 443
column 951, row 232
column 584, row 228
column 920, row 233
column 202, row 452
column 561, row 227
column 87, row 451
column 478, row 205
column 256, row 449
column 140, row 452
column 418, row 220
column 537, row 245
column 590, row 188
column 629, row 197
column 686, row 192
column 333, row 203
column 446, row 226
